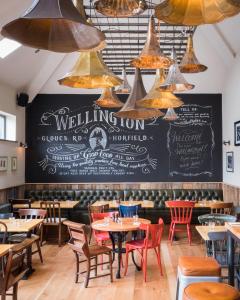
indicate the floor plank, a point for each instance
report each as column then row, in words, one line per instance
column 54, row 280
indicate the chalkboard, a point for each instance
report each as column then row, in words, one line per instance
column 72, row 140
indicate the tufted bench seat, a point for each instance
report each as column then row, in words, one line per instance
column 158, row 196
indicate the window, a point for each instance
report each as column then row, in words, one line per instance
column 2, row 127
column 7, row 126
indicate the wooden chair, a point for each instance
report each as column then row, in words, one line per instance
column 79, row 244
column 3, row 234
column 14, row 270
column 221, row 208
column 152, row 240
column 95, row 209
column 53, row 217
column 181, row 214
column 25, row 202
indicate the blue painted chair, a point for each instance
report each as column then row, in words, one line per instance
column 128, row 211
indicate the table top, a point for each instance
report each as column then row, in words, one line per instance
column 207, row 204
column 234, row 228
column 126, row 225
column 4, row 248
column 204, row 230
column 36, row 204
column 114, row 204
column 21, row 225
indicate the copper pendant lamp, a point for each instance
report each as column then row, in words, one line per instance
column 125, row 87
column 90, row 72
column 131, row 110
column 54, row 25
column 151, row 56
column 175, row 82
column 120, row 8
column 109, row 99
column 190, row 63
column 158, row 99
column 170, row 115
column 195, row 12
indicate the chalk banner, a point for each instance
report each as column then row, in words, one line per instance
column 71, row 139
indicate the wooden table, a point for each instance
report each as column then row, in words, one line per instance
column 23, row 226
column 36, row 204
column 233, row 232
column 114, row 204
column 116, row 232
column 207, row 204
column 204, row 230
column 4, row 248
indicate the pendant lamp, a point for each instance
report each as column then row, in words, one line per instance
column 120, row 8
column 195, row 12
column 125, row 87
column 54, row 25
column 234, row 2
column 109, row 99
column 170, row 115
column 131, row 110
column 90, row 72
column 175, row 82
column 190, row 63
column 158, row 99
column 151, row 56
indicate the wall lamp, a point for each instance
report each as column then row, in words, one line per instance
column 23, row 145
column 225, row 143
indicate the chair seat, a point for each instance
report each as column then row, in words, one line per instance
column 98, row 250
column 211, row 291
column 45, row 222
column 18, row 238
column 199, row 266
column 102, row 236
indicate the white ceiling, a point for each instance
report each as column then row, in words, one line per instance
column 33, row 72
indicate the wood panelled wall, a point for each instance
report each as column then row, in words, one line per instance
column 118, row 186
column 11, row 192
column 231, row 194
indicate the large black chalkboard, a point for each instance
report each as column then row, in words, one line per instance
column 71, row 140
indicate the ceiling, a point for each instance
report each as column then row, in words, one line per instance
column 37, row 71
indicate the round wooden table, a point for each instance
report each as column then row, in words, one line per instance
column 117, row 231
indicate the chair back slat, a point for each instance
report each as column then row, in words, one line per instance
column 181, row 211
column 128, row 211
column 153, row 234
column 3, row 232
column 222, row 208
column 53, row 209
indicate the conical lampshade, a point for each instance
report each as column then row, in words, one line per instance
column 170, row 115
column 120, row 8
column 151, row 56
column 195, row 12
column 157, row 99
column 90, row 72
column 175, row 82
column 54, row 25
column 109, row 99
column 190, row 63
column 125, row 87
column 234, row 2
column 130, row 109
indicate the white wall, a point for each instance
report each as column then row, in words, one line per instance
column 8, row 104
column 231, row 114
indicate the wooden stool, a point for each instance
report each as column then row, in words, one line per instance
column 196, row 269
column 210, row 290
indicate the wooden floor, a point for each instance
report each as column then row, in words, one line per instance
column 54, row 280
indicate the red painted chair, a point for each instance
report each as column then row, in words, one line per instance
column 152, row 240
column 181, row 214
column 101, row 236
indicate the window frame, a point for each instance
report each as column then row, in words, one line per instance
column 4, row 126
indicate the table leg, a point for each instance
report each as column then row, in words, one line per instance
column 119, row 243
column 230, row 250
column 29, row 259
column 138, row 268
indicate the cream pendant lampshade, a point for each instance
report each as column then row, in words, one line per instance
column 190, row 63
column 175, row 82
column 109, row 99
column 125, row 87
column 54, row 25
column 131, row 110
column 195, row 12
column 170, row 115
column 151, row 56
column 90, row 72
column 120, row 8
column 158, row 99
